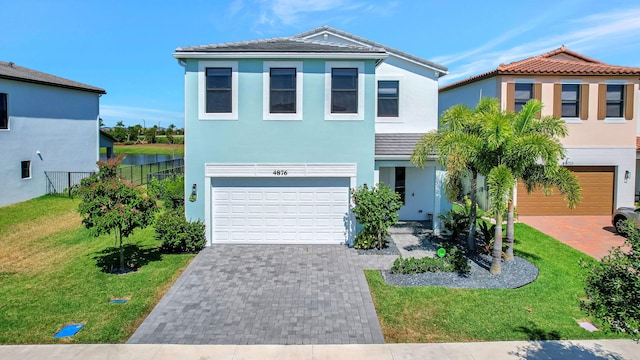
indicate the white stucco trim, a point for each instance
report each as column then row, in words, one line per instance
column 293, row 170
column 616, row 120
column 202, row 90
column 278, row 55
column 266, row 87
column 401, row 102
column 328, row 115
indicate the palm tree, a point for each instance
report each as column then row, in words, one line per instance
column 534, row 156
column 456, row 146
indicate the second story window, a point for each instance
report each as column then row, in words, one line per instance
column 523, row 93
column 218, row 90
column 4, row 113
column 388, row 96
column 570, row 100
column 282, row 91
column 615, row 101
column 344, row 90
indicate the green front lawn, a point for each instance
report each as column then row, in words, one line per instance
column 149, row 149
column 545, row 309
column 51, row 274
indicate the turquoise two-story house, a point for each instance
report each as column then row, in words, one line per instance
column 279, row 132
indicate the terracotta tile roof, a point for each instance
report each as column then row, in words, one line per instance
column 12, row 71
column 561, row 61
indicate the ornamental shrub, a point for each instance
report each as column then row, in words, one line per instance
column 453, row 261
column 612, row 286
column 376, row 209
column 177, row 234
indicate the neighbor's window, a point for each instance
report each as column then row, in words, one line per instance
column 4, row 113
column 570, row 100
column 344, row 90
column 26, row 169
column 400, row 182
column 282, row 90
column 615, row 101
column 523, row 93
column 388, row 98
column 218, row 90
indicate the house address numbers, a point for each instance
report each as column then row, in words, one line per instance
column 280, row 172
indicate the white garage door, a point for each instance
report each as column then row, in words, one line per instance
column 280, row 211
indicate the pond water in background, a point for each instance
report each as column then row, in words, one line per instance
column 141, row 159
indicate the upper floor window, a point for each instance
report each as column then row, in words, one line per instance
column 219, row 90
column 388, row 95
column 4, row 113
column 523, row 93
column 570, row 100
column 344, row 90
column 282, row 90
column 25, row 167
column 615, row 101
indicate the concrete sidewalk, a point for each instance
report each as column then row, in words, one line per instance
column 575, row 349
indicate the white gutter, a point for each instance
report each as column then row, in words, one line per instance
column 277, row 55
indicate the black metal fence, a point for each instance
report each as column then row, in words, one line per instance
column 172, row 173
column 62, row 182
column 141, row 174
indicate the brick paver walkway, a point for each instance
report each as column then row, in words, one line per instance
column 593, row 235
column 269, row 294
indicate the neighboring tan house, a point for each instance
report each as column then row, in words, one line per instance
column 47, row 124
column 280, row 131
column 599, row 104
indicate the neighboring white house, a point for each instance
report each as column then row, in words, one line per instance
column 47, row 124
column 279, row 130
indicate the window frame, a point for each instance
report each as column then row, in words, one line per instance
column 27, row 168
column 577, row 101
column 202, row 90
column 328, row 113
column 4, row 102
column 621, row 102
column 396, row 98
column 519, row 101
column 266, row 90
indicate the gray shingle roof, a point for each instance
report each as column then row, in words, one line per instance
column 399, row 144
column 284, row 44
column 14, row 72
column 345, row 34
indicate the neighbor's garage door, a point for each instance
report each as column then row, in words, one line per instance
column 268, row 210
column 597, row 195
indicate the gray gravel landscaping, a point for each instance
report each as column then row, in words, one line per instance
column 514, row 274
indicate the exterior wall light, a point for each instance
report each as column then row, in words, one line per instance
column 627, row 175
column 194, row 193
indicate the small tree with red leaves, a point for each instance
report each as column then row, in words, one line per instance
column 109, row 204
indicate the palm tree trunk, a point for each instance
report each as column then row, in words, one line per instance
column 497, row 247
column 471, row 236
column 510, row 214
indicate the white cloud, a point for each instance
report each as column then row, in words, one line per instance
column 591, row 33
column 111, row 114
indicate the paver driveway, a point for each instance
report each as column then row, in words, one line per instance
column 269, row 294
column 593, row 235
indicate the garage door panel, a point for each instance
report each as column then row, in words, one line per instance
column 268, row 210
column 597, row 195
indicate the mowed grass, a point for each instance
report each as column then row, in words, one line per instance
column 150, row 149
column 52, row 274
column 543, row 310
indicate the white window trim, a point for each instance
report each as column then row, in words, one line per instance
column 266, row 90
column 391, row 119
column 328, row 115
column 202, row 90
column 617, row 120
column 572, row 120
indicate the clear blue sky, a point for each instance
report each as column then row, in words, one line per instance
column 125, row 46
